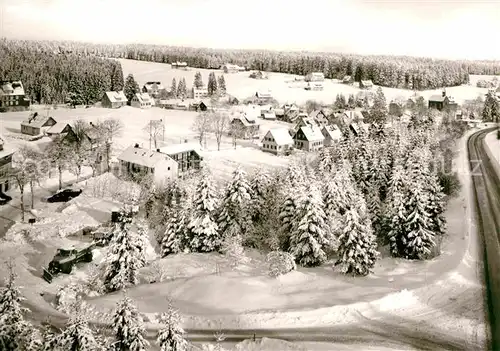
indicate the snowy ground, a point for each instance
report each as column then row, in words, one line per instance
column 178, row 128
column 241, row 86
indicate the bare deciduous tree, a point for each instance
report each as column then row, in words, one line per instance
column 154, row 128
column 59, row 153
column 219, row 124
column 37, row 168
column 237, row 132
column 202, row 127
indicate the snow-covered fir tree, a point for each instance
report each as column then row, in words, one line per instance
column 325, row 162
column 417, row 239
column 128, row 327
column 234, row 213
column 14, row 330
column 232, row 248
column 203, row 229
column 310, row 231
column 171, row 336
column 77, row 336
column 292, row 190
column 375, row 210
column 126, row 255
column 259, row 185
column 436, row 205
column 175, row 234
column 49, row 339
column 357, row 249
column 395, row 209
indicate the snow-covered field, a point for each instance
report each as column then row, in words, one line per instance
column 241, row 86
column 178, row 128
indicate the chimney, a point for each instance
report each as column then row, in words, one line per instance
column 444, row 92
column 157, row 150
column 91, row 124
column 136, row 146
column 185, row 141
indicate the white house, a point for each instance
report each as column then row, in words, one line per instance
column 332, row 134
column 277, row 141
column 200, row 93
column 142, row 100
column 136, row 160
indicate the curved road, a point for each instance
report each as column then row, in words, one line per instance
column 391, row 331
column 487, row 197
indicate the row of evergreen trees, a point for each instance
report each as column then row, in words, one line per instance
column 129, row 333
column 378, row 188
column 51, row 78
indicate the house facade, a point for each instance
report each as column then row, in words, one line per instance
column 245, row 126
column 114, row 99
column 59, row 129
column 309, row 138
column 6, row 152
column 319, row 116
column 187, row 155
column 314, row 86
column 36, row 124
column 153, row 89
column 347, row 80
column 232, row 68
column 277, row 141
column 315, row 77
column 142, row 100
column 200, row 93
column 332, row 134
column 179, row 65
column 442, row 102
column 136, row 161
column 13, row 96
column 263, row 97
column 366, row 84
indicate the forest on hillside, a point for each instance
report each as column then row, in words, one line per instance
column 389, row 71
column 53, row 78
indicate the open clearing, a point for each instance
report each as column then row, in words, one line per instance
column 241, row 86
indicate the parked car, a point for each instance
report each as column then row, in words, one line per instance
column 64, row 195
column 4, row 198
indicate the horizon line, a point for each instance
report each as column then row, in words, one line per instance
column 311, row 51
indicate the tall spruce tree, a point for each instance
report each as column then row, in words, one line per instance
column 126, row 254
column 357, row 249
column 182, row 89
column 203, row 229
column 378, row 112
column 234, row 215
column 173, row 88
column 222, row 84
column 77, row 336
column 310, row 234
column 212, row 84
column 171, row 336
column 131, row 87
column 395, row 210
column 175, row 231
column 128, row 327
column 198, row 80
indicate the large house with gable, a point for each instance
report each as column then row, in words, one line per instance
column 245, row 125
column 277, row 141
column 187, row 155
column 13, row 96
column 309, row 138
column 142, row 100
column 153, row 89
column 36, row 124
column 114, row 99
column 6, row 152
column 332, row 134
column 137, row 161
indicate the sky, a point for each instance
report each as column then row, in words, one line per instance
column 443, row 29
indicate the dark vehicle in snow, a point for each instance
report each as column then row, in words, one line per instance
column 4, row 198
column 65, row 259
column 64, row 195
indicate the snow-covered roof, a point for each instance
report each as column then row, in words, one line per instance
column 58, row 128
column 281, row 136
column 269, row 115
column 11, row 88
column 116, row 96
column 332, row 131
column 143, row 97
column 37, row 121
column 179, row 148
column 142, row 157
column 312, row 133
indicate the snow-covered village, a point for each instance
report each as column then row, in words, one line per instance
column 186, row 199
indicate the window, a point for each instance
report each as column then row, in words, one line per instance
column 16, row 103
column 168, row 168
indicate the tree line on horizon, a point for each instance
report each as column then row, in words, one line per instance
column 390, row 71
